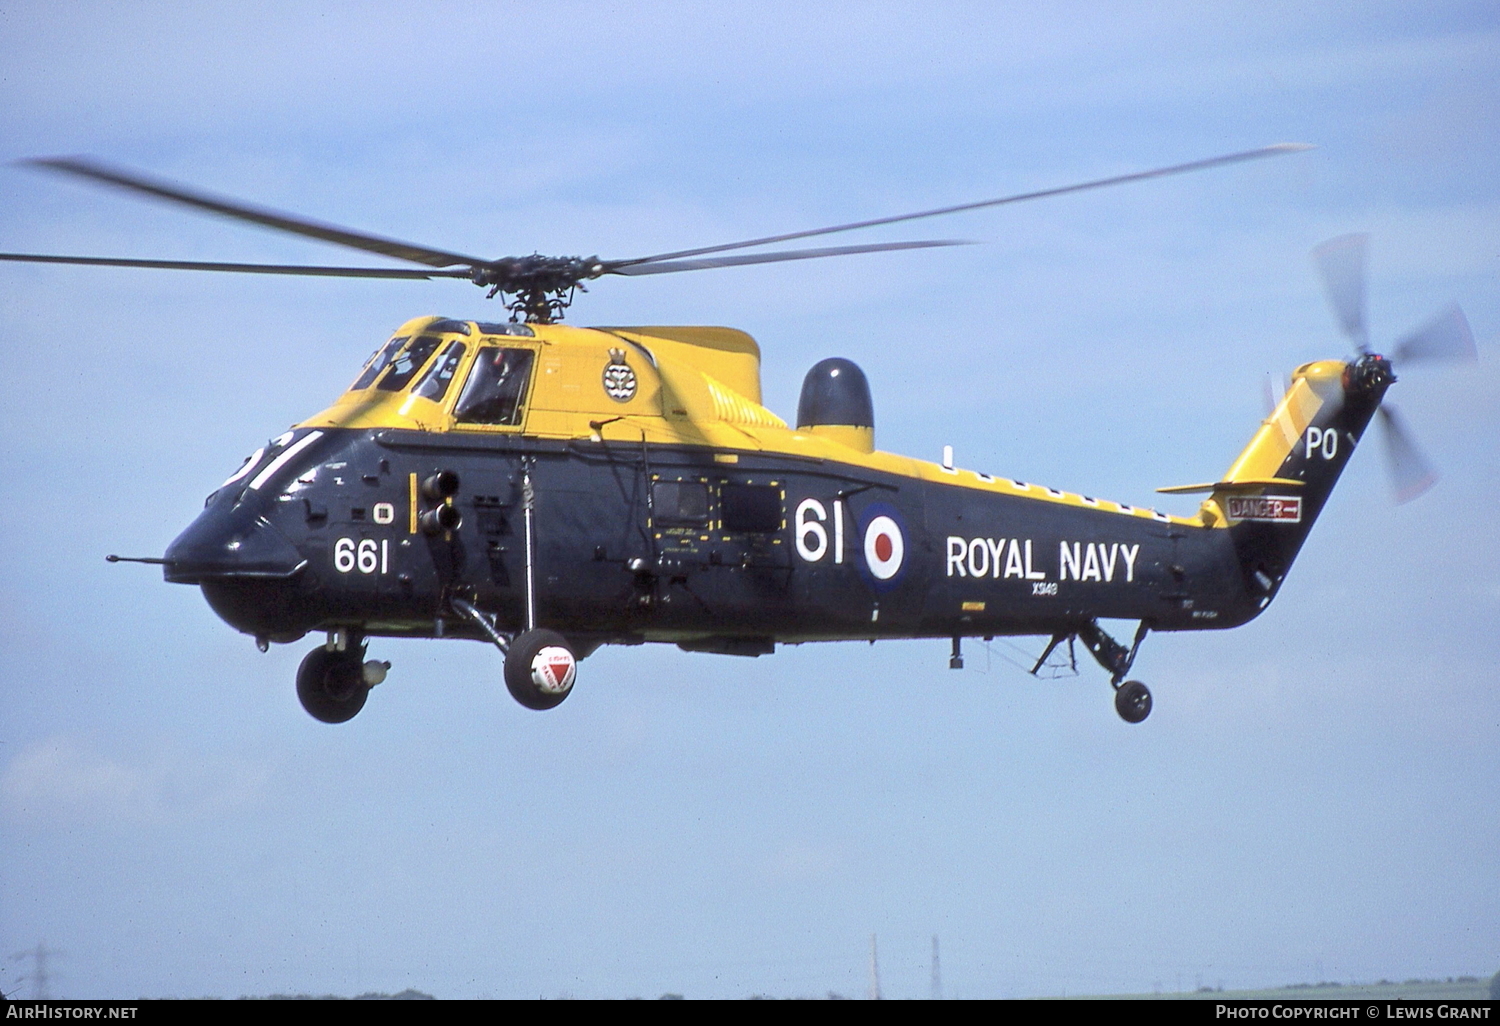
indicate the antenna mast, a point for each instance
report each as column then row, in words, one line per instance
column 38, row 975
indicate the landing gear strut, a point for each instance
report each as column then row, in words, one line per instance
column 1132, row 698
column 540, row 665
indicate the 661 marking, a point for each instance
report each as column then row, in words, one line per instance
column 364, row 555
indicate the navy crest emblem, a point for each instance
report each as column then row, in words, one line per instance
column 619, row 377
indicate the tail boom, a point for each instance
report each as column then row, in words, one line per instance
column 1273, row 493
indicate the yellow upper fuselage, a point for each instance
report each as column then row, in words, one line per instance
column 700, row 387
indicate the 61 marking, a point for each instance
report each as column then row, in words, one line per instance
column 812, row 536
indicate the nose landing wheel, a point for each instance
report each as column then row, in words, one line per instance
column 1133, row 701
column 333, row 685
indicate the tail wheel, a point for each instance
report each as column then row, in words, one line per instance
column 540, row 669
column 1133, row 701
column 331, row 685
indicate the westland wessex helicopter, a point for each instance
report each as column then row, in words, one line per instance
column 551, row 489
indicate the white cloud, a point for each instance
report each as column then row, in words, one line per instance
column 70, row 779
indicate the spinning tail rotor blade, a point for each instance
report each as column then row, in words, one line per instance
column 1411, row 474
column 1341, row 262
column 1273, row 389
column 1446, row 337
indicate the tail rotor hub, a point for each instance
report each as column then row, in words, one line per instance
column 1370, row 373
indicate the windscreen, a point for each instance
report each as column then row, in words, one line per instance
column 407, row 362
column 377, row 363
column 434, row 384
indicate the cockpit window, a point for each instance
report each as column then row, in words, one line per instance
column 511, row 328
column 496, row 387
column 377, row 362
column 459, row 327
column 406, row 364
column 434, row 384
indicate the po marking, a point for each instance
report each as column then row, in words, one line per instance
column 1323, row 442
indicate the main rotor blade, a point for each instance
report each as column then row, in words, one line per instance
column 667, row 267
column 1411, row 474
column 1161, row 172
column 1341, row 262
column 202, row 265
column 1446, row 337
column 132, row 181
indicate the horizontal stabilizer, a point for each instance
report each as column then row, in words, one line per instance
column 1232, row 486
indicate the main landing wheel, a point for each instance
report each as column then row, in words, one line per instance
column 1133, row 701
column 540, row 669
column 332, row 685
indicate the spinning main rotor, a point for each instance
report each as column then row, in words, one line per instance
column 536, row 288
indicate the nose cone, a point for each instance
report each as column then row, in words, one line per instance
column 229, row 543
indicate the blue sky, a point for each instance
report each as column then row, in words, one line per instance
column 1312, row 796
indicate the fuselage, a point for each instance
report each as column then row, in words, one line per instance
column 669, row 505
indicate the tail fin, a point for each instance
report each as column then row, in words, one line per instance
column 1272, row 494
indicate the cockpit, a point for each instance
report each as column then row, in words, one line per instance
column 495, row 376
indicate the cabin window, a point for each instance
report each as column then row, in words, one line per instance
column 434, row 384
column 407, row 362
column 377, row 362
column 679, row 503
column 751, row 507
column 496, row 387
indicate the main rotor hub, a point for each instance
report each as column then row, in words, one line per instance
column 537, row 288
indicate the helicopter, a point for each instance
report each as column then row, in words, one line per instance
column 550, row 489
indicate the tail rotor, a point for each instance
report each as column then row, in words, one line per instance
column 1341, row 263
column 1411, row 474
column 1446, row 338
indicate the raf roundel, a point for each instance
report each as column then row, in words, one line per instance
column 553, row 670
column 884, row 548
